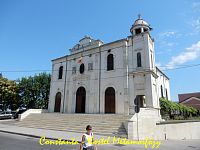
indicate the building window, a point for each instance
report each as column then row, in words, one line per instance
column 60, row 72
column 138, row 31
column 145, row 30
column 161, row 89
column 110, row 62
column 82, row 68
column 90, row 66
column 166, row 94
column 152, row 61
column 73, row 70
column 139, row 61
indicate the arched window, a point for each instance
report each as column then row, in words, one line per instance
column 60, row 72
column 166, row 94
column 139, row 61
column 151, row 61
column 82, row 68
column 110, row 62
column 161, row 89
column 138, row 31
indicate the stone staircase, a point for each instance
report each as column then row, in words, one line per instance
column 103, row 124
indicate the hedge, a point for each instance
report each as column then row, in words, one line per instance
column 174, row 110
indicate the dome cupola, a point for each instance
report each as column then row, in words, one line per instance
column 140, row 26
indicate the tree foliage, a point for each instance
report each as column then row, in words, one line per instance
column 176, row 111
column 34, row 91
column 8, row 93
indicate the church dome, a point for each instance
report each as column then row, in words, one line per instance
column 140, row 26
column 140, row 22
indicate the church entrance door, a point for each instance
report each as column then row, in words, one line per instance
column 110, row 100
column 80, row 100
column 57, row 102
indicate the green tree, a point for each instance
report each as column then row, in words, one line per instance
column 8, row 93
column 34, row 91
column 176, row 110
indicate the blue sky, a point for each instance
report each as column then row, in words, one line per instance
column 33, row 32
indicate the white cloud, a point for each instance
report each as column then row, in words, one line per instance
column 195, row 27
column 167, row 34
column 196, row 24
column 158, row 64
column 196, row 6
column 167, row 39
column 167, row 43
column 191, row 53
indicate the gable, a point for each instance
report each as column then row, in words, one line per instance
column 191, row 100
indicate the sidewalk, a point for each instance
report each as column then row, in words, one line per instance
column 49, row 134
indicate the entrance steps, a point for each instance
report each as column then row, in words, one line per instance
column 102, row 124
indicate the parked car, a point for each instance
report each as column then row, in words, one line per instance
column 5, row 115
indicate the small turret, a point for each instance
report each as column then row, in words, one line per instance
column 140, row 26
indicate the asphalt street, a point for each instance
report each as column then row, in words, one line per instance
column 18, row 142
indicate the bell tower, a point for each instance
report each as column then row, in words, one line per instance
column 144, row 44
column 143, row 64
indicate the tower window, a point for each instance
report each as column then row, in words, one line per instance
column 82, row 68
column 110, row 62
column 152, row 61
column 90, row 66
column 60, row 72
column 73, row 70
column 145, row 30
column 161, row 88
column 138, row 31
column 166, row 94
column 139, row 61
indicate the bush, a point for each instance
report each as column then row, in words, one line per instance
column 173, row 110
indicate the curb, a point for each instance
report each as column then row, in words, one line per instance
column 34, row 136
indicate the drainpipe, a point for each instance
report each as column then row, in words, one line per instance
column 99, row 77
column 127, row 69
column 65, row 85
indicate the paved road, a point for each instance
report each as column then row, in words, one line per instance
column 18, row 142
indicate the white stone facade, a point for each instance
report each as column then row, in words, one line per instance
column 132, row 74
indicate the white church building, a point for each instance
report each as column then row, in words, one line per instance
column 101, row 78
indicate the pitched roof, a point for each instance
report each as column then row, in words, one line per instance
column 183, row 97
